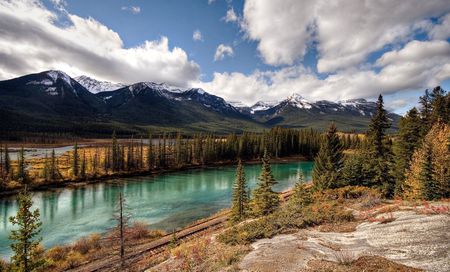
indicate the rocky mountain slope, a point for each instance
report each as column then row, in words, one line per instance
column 52, row 101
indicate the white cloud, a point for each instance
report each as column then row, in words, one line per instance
column 132, row 9
column 197, row 35
column 211, row 1
column 231, row 16
column 222, row 51
column 31, row 41
column 417, row 65
column 346, row 32
column 441, row 30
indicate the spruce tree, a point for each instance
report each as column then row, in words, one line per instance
column 7, row 161
column 53, row 171
column 408, row 141
column 83, row 166
column 327, row 171
column 75, row 161
column 302, row 195
column 22, row 175
column 115, row 153
column 150, row 155
column 430, row 187
column 239, row 209
column 439, row 106
column 25, row 244
column 425, row 113
column 46, row 169
column 265, row 200
column 380, row 150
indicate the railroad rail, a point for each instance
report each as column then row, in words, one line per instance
column 135, row 253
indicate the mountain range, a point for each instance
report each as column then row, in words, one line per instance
column 51, row 101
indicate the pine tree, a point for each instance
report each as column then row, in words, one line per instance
column 425, row 113
column 22, row 175
column 115, row 153
column 408, row 141
column 430, row 187
column 327, row 171
column 439, row 106
column 240, row 199
column 377, row 129
column 53, row 171
column 75, row 161
column 122, row 218
column 83, row 166
column 380, row 150
column 7, row 162
column 302, row 195
column 46, row 169
column 150, row 155
column 25, row 246
column 265, row 200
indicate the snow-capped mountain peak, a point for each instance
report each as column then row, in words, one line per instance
column 96, row 86
column 55, row 74
column 299, row 101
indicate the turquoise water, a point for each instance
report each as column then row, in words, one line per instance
column 167, row 202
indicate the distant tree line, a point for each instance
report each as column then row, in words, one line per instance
column 163, row 151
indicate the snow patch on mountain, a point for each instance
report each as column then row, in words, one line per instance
column 46, row 82
column 96, row 86
column 55, row 75
column 263, row 105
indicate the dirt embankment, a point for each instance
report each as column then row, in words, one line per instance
column 411, row 241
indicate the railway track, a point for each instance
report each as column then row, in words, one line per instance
column 137, row 252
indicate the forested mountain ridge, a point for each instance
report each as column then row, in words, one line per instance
column 52, row 102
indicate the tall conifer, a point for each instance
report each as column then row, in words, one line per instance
column 328, row 164
column 25, row 243
column 265, row 200
column 240, row 199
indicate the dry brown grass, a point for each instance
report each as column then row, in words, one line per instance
column 365, row 263
column 203, row 254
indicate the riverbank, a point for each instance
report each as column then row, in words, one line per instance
column 362, row 233
column 71, row 183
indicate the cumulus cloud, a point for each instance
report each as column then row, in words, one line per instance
column 197, row 35
column 32, row 41
column 441, row 30
column 132, row 9
column 222, row 51
column 417, row 65
column 231, row 16
column 345, row 32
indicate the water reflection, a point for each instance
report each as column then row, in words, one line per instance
column 165, row 202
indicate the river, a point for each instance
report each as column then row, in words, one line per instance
column 169, row 201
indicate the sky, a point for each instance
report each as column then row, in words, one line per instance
column 244, row 51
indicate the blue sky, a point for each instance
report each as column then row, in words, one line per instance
column 177, row 20
column 267, row 51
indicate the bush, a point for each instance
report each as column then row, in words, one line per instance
column 73, row 260
column 57, row 253
column 290, row 217
column 82, row 245
column 94, row 241
column 139, row 230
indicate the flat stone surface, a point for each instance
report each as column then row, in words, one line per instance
column 416, row 240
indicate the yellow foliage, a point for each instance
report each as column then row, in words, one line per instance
column 438, row 141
